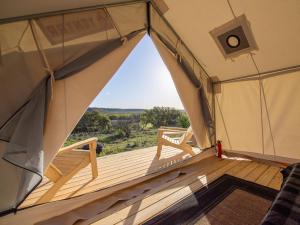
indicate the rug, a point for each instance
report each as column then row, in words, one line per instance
column 226, row 201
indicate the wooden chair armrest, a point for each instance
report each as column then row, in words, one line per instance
column 79, row 144
column 173, row 132
column 173, row 128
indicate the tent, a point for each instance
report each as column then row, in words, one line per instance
column 235, row 65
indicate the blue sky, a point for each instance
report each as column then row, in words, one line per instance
column 143, row 81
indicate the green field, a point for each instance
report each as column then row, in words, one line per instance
column 113, row 144
column 120, row 130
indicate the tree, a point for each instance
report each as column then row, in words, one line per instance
column 160, row 116
column 93, row 122
column 183, row 121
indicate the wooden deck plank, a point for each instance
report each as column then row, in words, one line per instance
column 239, row 167
column 267, row 176
column 276, row 182
column 246, row 170
column 261, row 168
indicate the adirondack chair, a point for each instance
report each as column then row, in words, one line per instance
column 68, row 161
column 178, row 142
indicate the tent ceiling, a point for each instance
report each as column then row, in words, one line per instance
column 278, row 44
column 18, row 8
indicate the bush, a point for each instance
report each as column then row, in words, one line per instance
column 183, row 121
column 93, row 122
column 124, row 128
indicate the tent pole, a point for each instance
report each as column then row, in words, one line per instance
column 214, row 113
column 267, row 74
column 178, row 37
column 148, row 18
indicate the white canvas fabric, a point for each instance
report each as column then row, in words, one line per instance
column 265, row 122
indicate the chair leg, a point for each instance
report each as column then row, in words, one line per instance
column 188, row 149
column 93, row 159
column 159, row 148
column 94, row 167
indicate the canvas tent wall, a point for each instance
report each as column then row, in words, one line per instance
column 252, row 97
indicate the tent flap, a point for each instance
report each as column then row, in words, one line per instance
column 82, row 50
column 188, row 93
column 171, row 48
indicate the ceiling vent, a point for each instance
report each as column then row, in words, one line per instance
column 234, row 37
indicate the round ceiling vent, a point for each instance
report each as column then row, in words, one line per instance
column 234, row 37
column 233, row 41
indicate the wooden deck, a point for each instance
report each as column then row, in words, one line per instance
column 112, row 170
column 139, row 209
column 138, row 202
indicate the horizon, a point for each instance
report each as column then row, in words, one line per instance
column 142, row 80
column 129, row 108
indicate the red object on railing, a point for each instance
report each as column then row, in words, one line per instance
column 219, row 149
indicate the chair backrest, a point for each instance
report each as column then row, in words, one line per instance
column 186, row 136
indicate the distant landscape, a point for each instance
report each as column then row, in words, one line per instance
column 115, row 110
column 120, row 130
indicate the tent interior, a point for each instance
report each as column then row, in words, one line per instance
column 235, row 65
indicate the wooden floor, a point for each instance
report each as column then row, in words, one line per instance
column 112, row 169
column 158, row 198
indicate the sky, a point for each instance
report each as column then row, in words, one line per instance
column 142, row 81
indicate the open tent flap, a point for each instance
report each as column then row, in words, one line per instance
column 189, row 94
column 81, row 50
column 192, row 83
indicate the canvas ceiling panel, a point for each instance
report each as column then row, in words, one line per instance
column 282, row 99
column 14, row 38
column 276, row 28
column 238, row 116
column 127, row 24
column 73, row 95
column 193, row 22
column 15, row 8
column 68, row 36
